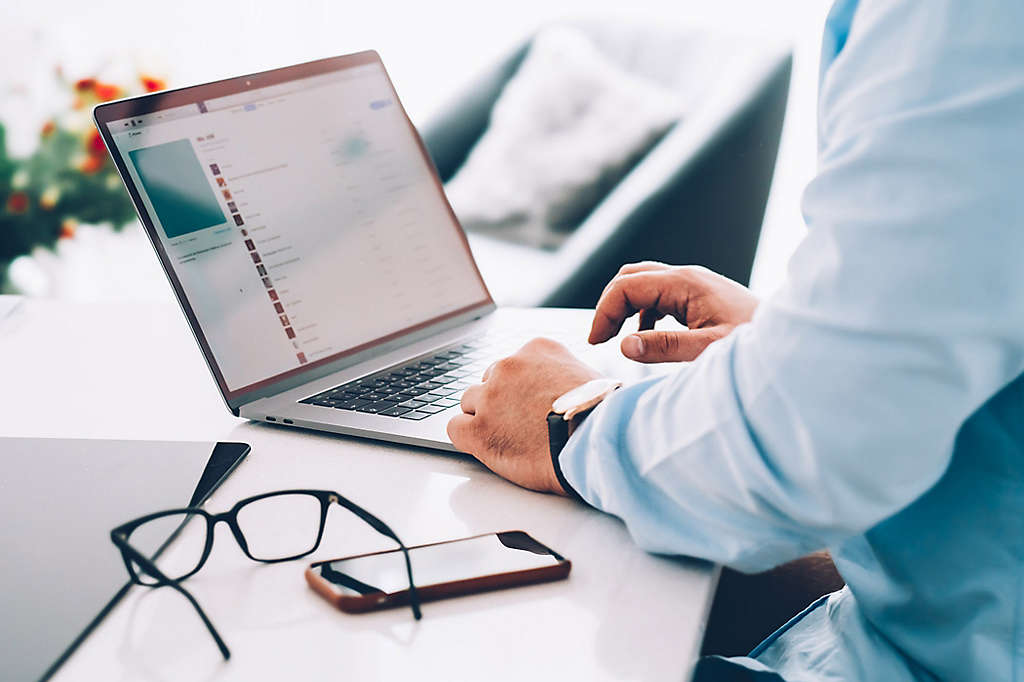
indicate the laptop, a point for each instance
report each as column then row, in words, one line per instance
column 307, row 237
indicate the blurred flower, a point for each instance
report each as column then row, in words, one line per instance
column 17, row 202
column 49, row 198
column 94, row 144
column 67, row 228
column 106, row 91
column 68, row 178
column 152, row 84
column 90, row 165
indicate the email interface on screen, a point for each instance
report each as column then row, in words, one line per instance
column 301, row 219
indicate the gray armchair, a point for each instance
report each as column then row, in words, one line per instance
column 697, row 197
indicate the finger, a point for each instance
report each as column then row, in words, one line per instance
column 462, row 433
column 648, row 318
column 664, row 346
column 629, row 294
column 632, row 268
column 471, row 398
column 643, row 266
column 487, row 372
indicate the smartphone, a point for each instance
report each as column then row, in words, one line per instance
column 368, row 582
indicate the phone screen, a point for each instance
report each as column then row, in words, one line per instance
column 441, row 563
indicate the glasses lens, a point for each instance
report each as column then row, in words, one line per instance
column 281, row 526
column 178, row 558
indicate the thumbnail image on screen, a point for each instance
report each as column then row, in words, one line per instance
column 177, row 188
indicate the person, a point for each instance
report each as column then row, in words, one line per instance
column 873, row 407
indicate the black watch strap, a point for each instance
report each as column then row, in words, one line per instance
column 558, row 436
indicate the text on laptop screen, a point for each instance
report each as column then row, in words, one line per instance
column 301, row 219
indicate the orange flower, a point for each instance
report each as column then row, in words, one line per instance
column 85, row 84
column 107, row 91
column 67, row 228
column 17, row 202
column 152, row 83
column 48, row 128
column 91, row 164
column 94, row 144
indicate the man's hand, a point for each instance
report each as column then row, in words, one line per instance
column 504, row 420
column 710, row 305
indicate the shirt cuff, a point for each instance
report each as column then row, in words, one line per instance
column 599, row 431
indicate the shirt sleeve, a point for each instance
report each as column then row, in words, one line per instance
column 840, row 402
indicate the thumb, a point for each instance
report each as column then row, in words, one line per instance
column 668, row 346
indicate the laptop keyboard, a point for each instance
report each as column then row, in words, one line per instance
column 422, row 387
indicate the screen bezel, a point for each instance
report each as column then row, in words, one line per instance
column 146, row 104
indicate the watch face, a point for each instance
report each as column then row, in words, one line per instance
column 584, row 397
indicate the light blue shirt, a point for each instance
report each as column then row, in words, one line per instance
column 875, row 405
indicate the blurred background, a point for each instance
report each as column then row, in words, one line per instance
column 687, row 180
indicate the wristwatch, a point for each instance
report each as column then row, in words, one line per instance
column 574, row 405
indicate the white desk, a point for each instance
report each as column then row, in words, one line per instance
column 133, row 371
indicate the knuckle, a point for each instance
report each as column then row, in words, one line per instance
column 666, row 343
column 543, row 343
column 647, row 264
column 508, row 364
column 626, row 269
column 693, row 272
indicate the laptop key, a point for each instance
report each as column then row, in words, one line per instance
column 351, row 404
column 413, row 404
column 415, row 415
column 396, row 411
column 431, row 409
column 347, row 393
column 447, row 402
column 430, row 385
column 377, row 407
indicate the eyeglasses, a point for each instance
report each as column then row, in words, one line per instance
column 269, row 528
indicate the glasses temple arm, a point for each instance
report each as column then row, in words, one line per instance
column 414, row 596
column 384, row 529
column 151, row 568
column 225, row 652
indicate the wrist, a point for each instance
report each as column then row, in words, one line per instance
column 567, row 414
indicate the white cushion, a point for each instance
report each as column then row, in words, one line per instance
column 567, row 126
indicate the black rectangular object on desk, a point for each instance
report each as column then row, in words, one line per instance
column 59, row 499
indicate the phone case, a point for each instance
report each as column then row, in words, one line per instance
column 484, row 583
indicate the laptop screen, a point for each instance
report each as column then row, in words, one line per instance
column 302, row 220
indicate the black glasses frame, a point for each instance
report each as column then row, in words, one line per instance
column 134, row 559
